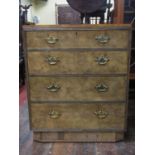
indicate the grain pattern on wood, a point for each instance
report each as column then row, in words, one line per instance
column 71, row 62
column 77, row 88
column 77, row 39
column 75, row 116
column 106, row 149
column 79, row 148
column 59, row 148
column 88, row 149
column 41, row 149
column 90, row 83
column 126, row 147
column 77, row 27
column 28, row 147
column 25, row 135
column 63, row 149
column 119, row 12
column 44, row 137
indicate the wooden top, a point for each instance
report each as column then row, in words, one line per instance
column 76, row 27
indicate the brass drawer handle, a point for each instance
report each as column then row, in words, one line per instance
column 102, row 60
column 53, row 87
column 54, row 114
column 101, row 87
column 52, row 60
column 51, row 40
column 101, row 114
column 103, row 39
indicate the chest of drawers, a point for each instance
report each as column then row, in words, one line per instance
column 77, row 81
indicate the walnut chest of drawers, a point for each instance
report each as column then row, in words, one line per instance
column 77, row 81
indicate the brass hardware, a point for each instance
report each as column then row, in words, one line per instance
column 53, row 87
column 54, row 114
column 102, row 60
column 101, row 87
column 52, row 60
column 103, row 39
column 101, row 114
column 51, row 40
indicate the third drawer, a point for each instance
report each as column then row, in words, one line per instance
column 78, row 88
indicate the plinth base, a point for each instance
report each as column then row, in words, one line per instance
column 78, row 136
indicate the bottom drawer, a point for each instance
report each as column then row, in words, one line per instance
column 77, row 117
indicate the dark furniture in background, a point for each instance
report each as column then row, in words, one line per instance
column 129, row 17
column 23, row 9
column 21, row 55
column 66, row 15
column 129, row 11
column 90, row 9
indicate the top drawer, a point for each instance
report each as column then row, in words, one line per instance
column 78, row 39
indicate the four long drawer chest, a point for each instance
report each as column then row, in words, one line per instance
column 77, row 81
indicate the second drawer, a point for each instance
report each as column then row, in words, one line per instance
column 77, row 88
column 76, row 62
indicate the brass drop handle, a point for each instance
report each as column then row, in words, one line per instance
column 53, row 87
column 101, row 114
column 101, row 87
column 103, row 39
column 51, row 40
column 102, row 60
column 52, row 60
column 54, row 114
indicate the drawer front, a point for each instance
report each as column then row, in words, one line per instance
column 76, row 62
column 78, row 39
column 77, row 88
column 77, row 116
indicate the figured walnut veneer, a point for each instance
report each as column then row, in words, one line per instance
column 77, row 88
column 77, row 78
column 78, row 117
column 77, row 39
column 77, row 62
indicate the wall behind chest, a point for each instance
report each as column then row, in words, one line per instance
column 44, row 10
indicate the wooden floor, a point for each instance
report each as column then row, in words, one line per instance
column 28, row 147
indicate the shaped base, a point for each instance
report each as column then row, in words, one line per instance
column 78, row 136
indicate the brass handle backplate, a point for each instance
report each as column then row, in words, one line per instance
column 53, row 87
column 101, row 87
column 102, row 60
column 51, row 40
column 54, row 114
column 101, row 114
column 103, row 39
column 52, row 60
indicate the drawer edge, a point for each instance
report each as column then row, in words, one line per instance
column 78, row 130
column 73, row 102
column 76, row 49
